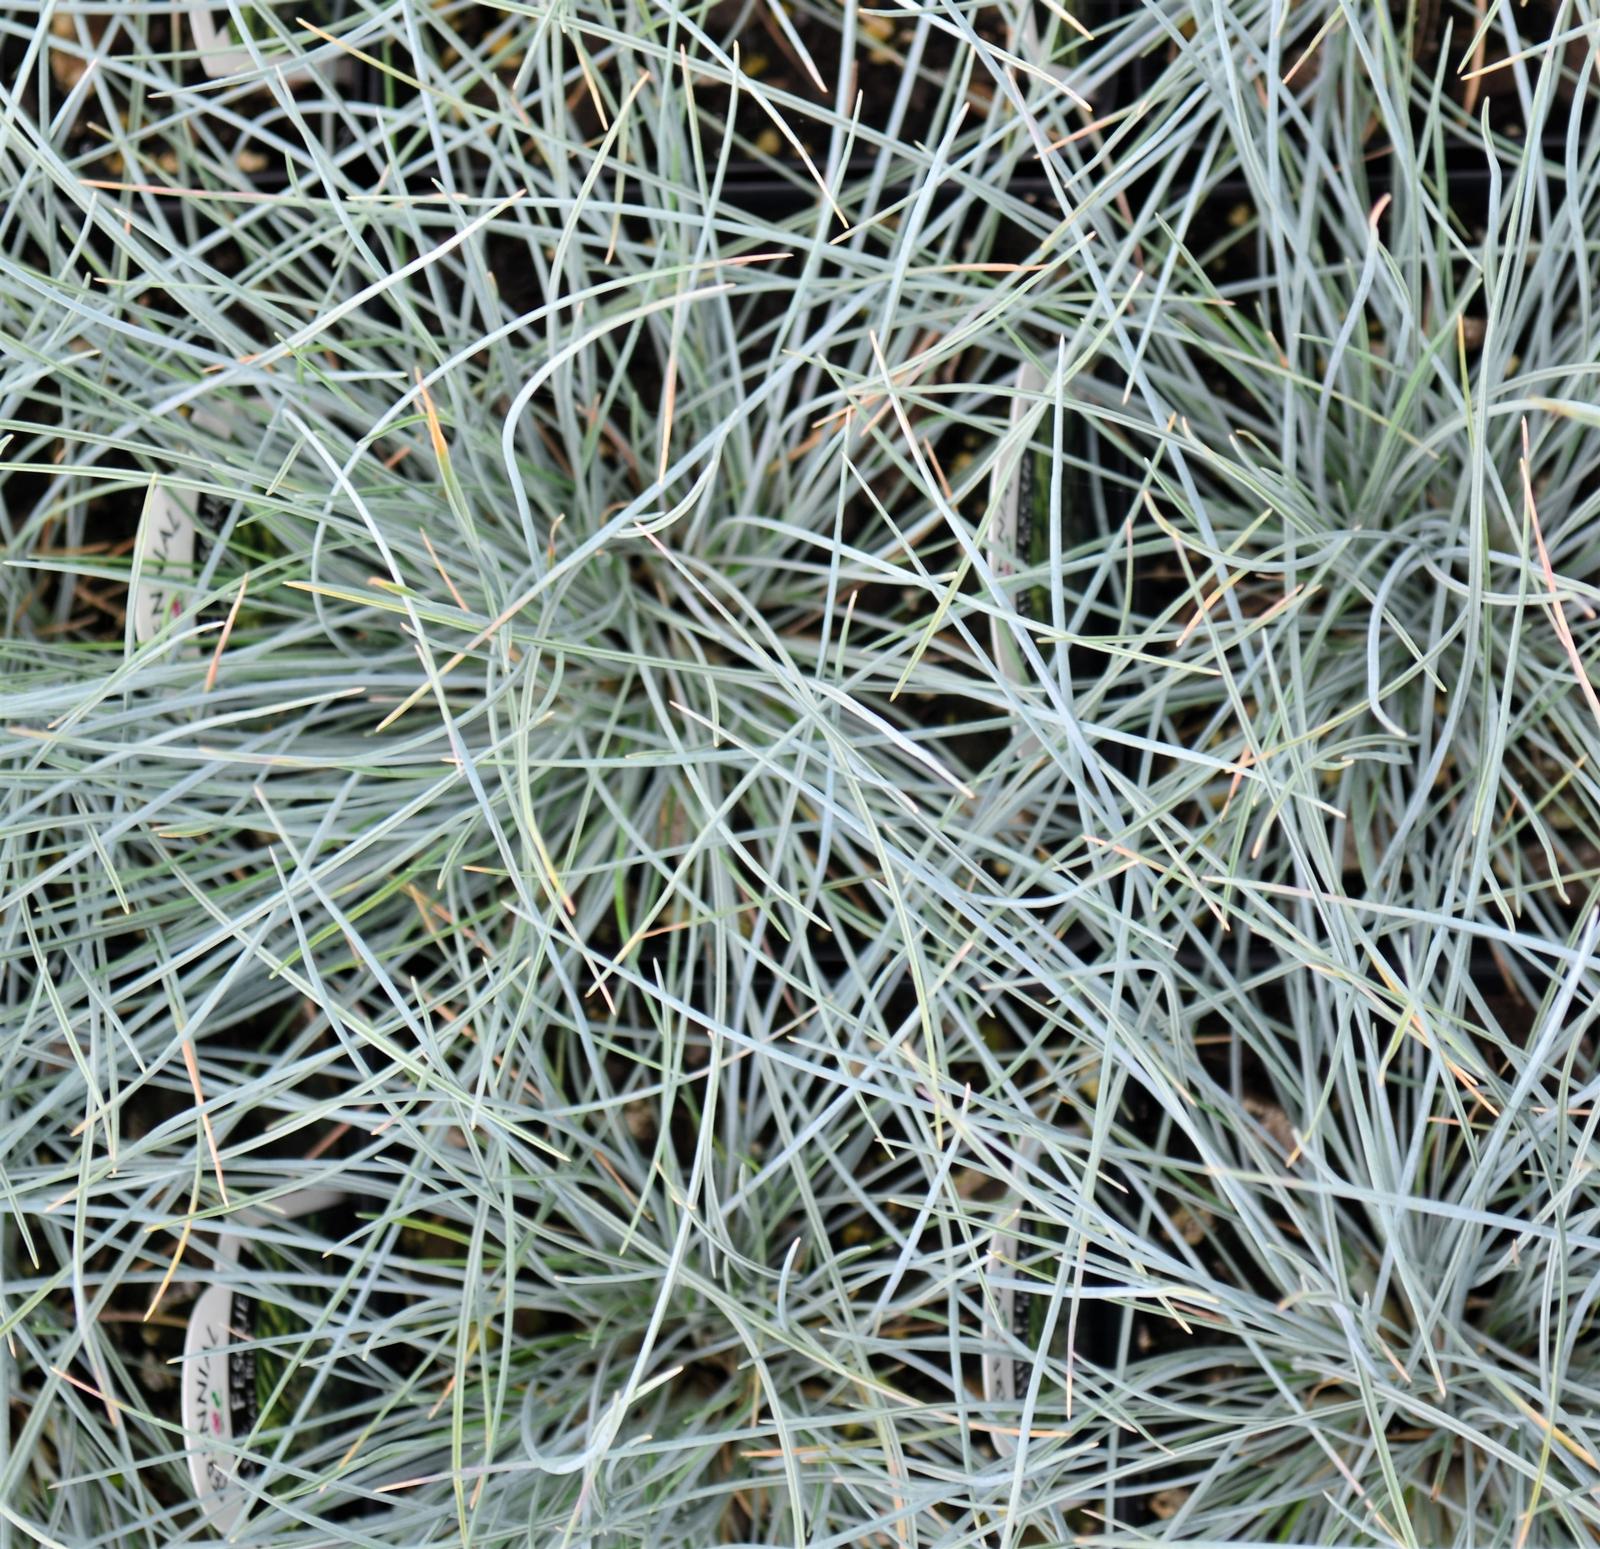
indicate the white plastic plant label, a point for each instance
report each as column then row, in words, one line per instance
column 1024, row 1332
column 221, row 52
column 219, row 1399
column 167, row 545
column 163, row 560
column 1019, row 537
column 1005, row 1377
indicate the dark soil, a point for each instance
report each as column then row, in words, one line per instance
column 242, row 141
column 1441, row 34
column 899, row 68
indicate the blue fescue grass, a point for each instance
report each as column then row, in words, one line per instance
column 577, row 810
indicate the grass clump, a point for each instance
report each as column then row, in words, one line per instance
column 751, row 958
